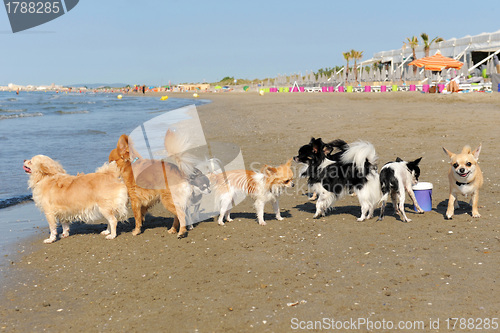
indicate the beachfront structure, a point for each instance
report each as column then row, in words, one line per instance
column 473, row 51
column 480, row 55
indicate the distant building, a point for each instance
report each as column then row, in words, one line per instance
column 471, row 50
column 193, row 87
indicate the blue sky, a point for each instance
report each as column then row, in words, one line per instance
column 154, row 42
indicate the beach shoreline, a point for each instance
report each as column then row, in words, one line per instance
column 244, row 276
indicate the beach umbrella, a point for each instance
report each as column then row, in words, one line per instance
column 437, row 62
column 245, row 88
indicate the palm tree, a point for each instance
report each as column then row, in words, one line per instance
column 413, row 43
column 427, row 44
column 356, row 55
column 347, row 57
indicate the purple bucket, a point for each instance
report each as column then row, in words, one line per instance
column 331, row 89
column 441, row 87
column 383, row 88
column 301, row 89
column 423, row 194
column 368, row 89
column 341, row 89
column 425, row 88
column 413, row 87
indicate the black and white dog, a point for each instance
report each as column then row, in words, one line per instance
column 335, row 169
column 396, row 178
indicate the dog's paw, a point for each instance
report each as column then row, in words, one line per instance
column 407, row 220
column 64, row 235
column 136, row 231
column 360, row 219
column 110, row 236
column 181, row 235
column 449, row 215
column 221, row 222
column 172, row 230
column 105, row 232
column 476, row 215
column 49, row 240
column 262, row 223
column 279, row 218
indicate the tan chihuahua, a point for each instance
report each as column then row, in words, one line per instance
column 465, row 177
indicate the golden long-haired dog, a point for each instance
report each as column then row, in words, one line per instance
column 82, row 197
column 156, row 181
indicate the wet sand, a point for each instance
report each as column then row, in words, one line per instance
column 288, row 274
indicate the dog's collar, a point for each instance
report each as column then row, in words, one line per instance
column 460, row 184
column 134, row 160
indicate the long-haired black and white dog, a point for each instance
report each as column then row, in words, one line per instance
column 337, row 168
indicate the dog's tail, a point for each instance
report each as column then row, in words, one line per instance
column 177, row 146
column 359, row 153
column 109, row 168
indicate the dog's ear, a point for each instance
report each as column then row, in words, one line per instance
column 417, row 161
column 122, row 145
column 50, row 167
column 327, row 149
column 317, row 145
column 398, row 159
column 268, row 170
column 449, row 153
column 477, row 151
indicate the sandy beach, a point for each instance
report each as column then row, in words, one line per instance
column 292, row 273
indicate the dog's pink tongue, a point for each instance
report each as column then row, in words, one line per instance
column 26, row 169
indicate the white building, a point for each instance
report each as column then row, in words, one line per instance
column 473, row 51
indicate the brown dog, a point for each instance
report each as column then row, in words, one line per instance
column 155, row 181
column 465, row 177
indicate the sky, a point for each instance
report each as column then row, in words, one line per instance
column 155, row 42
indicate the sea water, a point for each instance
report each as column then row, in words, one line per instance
column 77, row 129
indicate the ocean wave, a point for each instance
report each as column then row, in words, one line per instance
column 12, row 110
column 61, row 112
column 21, row 115
column 82, row 102
column 4, row 203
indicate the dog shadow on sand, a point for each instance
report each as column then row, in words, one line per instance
column 464, row 208
column 123, row 227
column 355, row 211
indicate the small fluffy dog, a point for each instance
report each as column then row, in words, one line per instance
column 264, row 186
column 69, row 198
column 396, row 178
column 465, row 177
column 335, row 169
column 157, row 180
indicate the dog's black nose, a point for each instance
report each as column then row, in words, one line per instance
column 462, row 170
